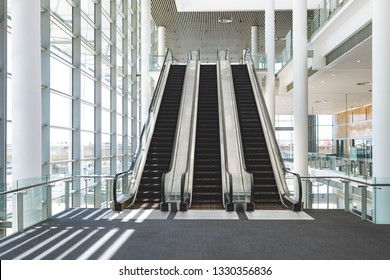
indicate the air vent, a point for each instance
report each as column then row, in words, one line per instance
column 352, row 42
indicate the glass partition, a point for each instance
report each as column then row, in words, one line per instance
column 31, row 201
column 358, row 168
column 364, row 199
column 319, row 17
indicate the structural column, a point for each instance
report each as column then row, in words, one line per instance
column 270, row 53
column 135, row 131
column 381, row 115
column 3, row 112
column 161, row 45
column 146, row 97
column 254, row 39
column 26, row 78
column 300, row 88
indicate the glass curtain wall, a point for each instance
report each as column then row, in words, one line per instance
column 90, row 92
column 284, row 129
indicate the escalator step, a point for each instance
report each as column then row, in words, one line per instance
column 256, row 155
column 160, row 149
column 207, row 188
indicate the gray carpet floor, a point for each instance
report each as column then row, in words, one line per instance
column 333, row 234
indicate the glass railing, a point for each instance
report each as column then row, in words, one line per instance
column 358, row 168
column 156, row 62
column 320, row 17
column 286, row 55
column 322, row 14
column 28, row 202
column 259, row 61
column 367, row 200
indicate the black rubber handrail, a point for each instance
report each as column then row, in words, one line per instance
column 298, row 205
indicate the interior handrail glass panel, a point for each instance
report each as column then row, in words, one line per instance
column 227, row 184
column 239, row 180
column 38, row 199
column 125, row 183
column 291, row 202
column 177, row 182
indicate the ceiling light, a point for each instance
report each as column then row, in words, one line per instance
column 364, row 83
column 225, row 20
column 358, row 61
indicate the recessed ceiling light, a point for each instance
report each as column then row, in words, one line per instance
column 358, row 61
column 322, row 81
column 225, row 20
column 333, row 75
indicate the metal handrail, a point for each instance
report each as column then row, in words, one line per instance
column 137, row 158
column 271, row 136
column 70, row 178
column 345, row 179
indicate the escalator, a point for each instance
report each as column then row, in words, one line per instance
column 207, row 181
column 160, row 150
column 257, row 159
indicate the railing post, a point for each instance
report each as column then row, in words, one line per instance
column 108, row 191
column 346, row 168
column 17, row 212
column 86, row 192
column 327, row 194
column 49, row 202
column 346, row 196
column 364, row 202
column 67, row 195
column 309, row 197
column 97, row 195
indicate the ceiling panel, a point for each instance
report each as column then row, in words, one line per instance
column 201, row 30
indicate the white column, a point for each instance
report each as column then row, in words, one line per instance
column 26, row 79
column 270, row 52
column 300, row 88
column 380, row 103
column 161, row 45
column 146, row 18
column 254, row 40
